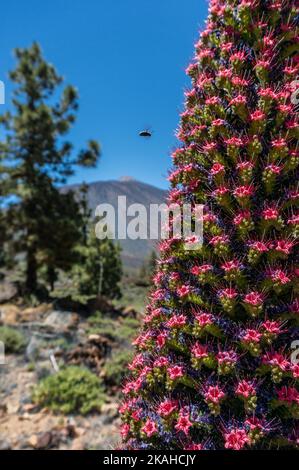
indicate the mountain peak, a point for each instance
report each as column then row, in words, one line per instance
column 125, row 179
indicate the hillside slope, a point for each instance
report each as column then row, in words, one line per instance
column 133, row 251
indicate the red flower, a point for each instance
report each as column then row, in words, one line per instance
column 184, row 423
column 125, row 430
column 183, row 291
column 276, row 360
column 197, row 270
column 161, row 362
column 240, row 99
column 167, row 407
column 288, row 394
column 254, row 298
column 234, row 141
column 217, row 168
column 245, row 389
column 270, row 214
column 199, row 351
column 251, row 336
column 243, row 191
column 241, row 217
column 258, row 246
column 272, row 327
column 236, row 439
column 177, row 321
column 284, row 246
column 219, row 239
column 230, row 357
column 205, row 319
column 295, row 371
column 175, row 372
column 228, row 293
column 230, row 265
column 278, row 275
column 275, row 169
column 150, row 428
column 214, row 394
column 257, row 115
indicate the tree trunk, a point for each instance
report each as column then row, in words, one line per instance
column 31, row 272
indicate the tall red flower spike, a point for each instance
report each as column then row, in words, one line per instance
column 213, row 367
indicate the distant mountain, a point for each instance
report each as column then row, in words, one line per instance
column 133, row 251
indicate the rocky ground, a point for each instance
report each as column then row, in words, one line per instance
column 54, row 337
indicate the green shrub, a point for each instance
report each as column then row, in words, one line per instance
column 115, row 367
column 73, row 389
column 14, row 341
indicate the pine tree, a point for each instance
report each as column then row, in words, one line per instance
column 213, row 367
column 98, row 267
column 37, row 159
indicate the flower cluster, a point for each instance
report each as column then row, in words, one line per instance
column 212, row 365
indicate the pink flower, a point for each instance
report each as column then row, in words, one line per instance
column 175, row 277
column 236, row 439
column 228, row 293
column 270, row 213
column 226, row 46
column 284, row 246
column 238, row 81
column 137, row 362
column 245, row 166
column 227, row 357
column 238, row 56
column 214, row 394
column 257, row 115
column 294, row 220
column 279, row 143
column 245, row 389
column 175, row 372
column 254, row 298
column 183, row 291
column 219, row 239
column 221, row 191
column 234, row 141
column 161, row 339
column 150, row 428
column 251, row 336
column 288, row 394
column 184, row 423
column 244, row 191
column 197, row 270
column 125, row 430
column 230, row 265
column 279, row 276
column 254, row 423
column 267, row 93
column 217, row 168
column 242, row 217
column 276, row 360
column 240, row 99
column 213, row 101
column 205, row 319
column 167, row 407
column 161, row 362
column 259, row 246
column 199, row 351
column 295, row 371
column 177, row 321
column 272, row 327
column 218, row 122
column 275, row 169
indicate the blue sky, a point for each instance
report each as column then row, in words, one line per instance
column 127, row 59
